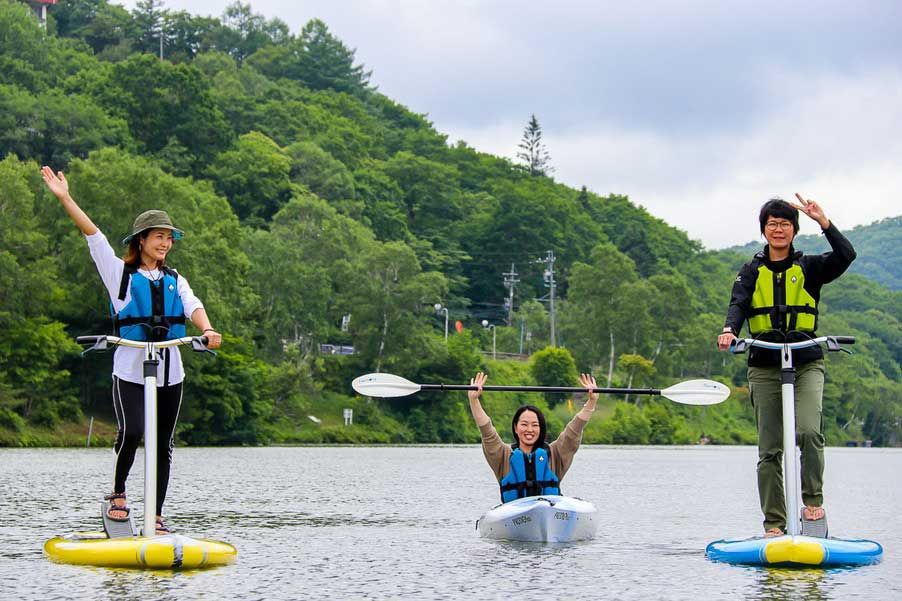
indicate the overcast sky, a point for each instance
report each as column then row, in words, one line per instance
column 698, row 111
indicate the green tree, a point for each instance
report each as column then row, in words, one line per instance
column 320, row 172
column 429, row 193
column 553, row 366
column 185, row 35
column 668, row 319
column 662, row 425
column 600, row 303
column 161, row 101
column 28, row 58
column 226, row 403
column 31, row 353
column 34, row 349
column 148, row 18
column 243, row 32
column 647, row 240
column 71, row 18
column 535, row 321
column 639, row 371
column 254, row 174
column 287, row 121
column 53, row 128
column 523, row 219
column 326, row 63
column 30, row 283
column 384, row 210
column 308, row 268
column 392, row 301
column 533, row 153
column 627, row 425
column 699, row 357
column 101, row 25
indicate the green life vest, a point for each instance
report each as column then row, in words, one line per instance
column 780, row 302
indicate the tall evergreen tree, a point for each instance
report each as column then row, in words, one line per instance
column 583, row 198
column 325, row 62
column 533, row 151
column 148, row 18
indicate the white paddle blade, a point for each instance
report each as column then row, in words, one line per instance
column 384, row 385
column 697, row 392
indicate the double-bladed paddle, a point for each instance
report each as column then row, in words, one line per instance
column 690, row 392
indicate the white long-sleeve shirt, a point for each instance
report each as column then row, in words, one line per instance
column 128, row 363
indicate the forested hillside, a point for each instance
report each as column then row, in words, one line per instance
column 320, row 212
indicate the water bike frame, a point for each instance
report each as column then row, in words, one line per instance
column 787, row 381
column 151, row 362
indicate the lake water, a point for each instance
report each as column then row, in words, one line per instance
column 398, row 522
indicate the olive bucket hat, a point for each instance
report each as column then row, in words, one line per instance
column 153, row 219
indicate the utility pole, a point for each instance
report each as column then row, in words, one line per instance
column 510, row 282
column 548, row 277
column 161, row 36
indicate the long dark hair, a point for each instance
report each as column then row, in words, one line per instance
column 539, row 414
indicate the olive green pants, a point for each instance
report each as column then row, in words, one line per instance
column 764, row 389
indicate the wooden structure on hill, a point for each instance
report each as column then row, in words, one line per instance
column 40, row 9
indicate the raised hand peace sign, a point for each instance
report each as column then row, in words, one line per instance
column 813, row 210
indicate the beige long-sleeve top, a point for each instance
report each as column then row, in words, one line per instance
column 561, row 451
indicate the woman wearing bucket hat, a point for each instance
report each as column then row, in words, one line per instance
column 136, row 284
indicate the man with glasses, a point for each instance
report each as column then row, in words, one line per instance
column 778, row 292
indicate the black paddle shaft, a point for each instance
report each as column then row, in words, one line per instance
column 652, row 391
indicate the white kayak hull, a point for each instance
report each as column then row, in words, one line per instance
column 546, row 519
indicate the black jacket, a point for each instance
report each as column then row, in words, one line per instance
column 818, row 269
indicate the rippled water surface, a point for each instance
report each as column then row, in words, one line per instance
column 398, row 522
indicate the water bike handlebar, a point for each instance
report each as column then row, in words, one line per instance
column 101, row 342
column 834, row 343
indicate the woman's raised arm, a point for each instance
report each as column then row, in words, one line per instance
column 56, row 183
column 479, row 414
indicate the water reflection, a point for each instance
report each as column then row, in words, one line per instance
column 515, row 549
column 789, row 584
column 672, row 549
column 288, row 519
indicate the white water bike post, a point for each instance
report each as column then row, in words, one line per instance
column 151, row 362
column 790, row 454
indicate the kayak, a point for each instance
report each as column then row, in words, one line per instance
column 170, row 552
column 546, row 519
column 799, row 551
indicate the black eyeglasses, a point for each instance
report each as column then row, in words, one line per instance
column 778, row 225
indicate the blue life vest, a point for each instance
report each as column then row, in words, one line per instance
column 155, row 311
column 530, row 475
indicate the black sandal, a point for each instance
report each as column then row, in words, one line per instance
column 161, row 528
column 113, row 507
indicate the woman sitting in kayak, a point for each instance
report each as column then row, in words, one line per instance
column 530, row 466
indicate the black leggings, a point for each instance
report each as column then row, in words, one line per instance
column 128, row 403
